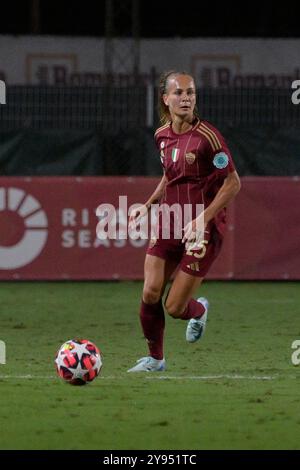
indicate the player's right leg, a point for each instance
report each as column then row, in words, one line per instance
column 157, row 273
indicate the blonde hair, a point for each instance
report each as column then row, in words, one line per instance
column 163, row 109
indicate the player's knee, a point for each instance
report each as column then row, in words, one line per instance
column 173, row 309
column 151, row 295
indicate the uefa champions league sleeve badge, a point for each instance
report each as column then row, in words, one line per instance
column 221, row 160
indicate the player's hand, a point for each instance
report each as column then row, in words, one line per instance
column 137, row 214
column 194, row 233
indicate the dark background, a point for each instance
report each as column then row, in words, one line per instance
column 71, row 125
column 157, row 18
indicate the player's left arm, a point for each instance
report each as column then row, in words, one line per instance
column 224, row 170
column 226, row 193
column 193, row 231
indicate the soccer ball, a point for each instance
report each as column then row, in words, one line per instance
column 78, row 361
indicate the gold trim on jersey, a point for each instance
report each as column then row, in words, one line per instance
column 168, row 124
column 212, row 134
column 197, row 124
column 161, row 128
column 202, row 132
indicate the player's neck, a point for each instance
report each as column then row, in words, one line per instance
column 180, row 126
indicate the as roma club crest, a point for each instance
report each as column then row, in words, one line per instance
column 190, row 158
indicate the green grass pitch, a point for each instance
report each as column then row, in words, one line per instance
column 235, row 389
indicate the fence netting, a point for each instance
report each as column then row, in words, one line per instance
column 109, row 130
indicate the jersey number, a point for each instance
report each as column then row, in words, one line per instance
column 200, row 253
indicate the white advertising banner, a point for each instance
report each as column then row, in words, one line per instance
column 45, row 60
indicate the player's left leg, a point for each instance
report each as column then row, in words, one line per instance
column 180, row 304
column 193, row 267
column 177, row 303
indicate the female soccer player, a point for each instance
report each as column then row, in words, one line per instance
column 198, row 169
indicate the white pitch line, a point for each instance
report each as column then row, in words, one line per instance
column 27, row 377
column 213, row 377
column 155, row 377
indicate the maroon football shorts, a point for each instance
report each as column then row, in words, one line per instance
column 193, row 262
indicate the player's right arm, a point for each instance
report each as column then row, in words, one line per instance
column 155, row 197
column 158, row 193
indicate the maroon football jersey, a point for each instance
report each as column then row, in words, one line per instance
column 195, row 164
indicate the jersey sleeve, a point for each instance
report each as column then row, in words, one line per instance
column 217, row 151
